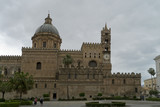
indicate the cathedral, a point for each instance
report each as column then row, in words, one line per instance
column 89, row 72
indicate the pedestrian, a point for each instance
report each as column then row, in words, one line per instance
column 41, row 100
column 35, row 101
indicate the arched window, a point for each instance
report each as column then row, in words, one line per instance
column 36, row 85
column 124, row 81
column 79, row 64
column 55, row 85
column 19, row 70
column 90, row 55
column 106, row 48
column 112, row 81
column 87, row 76
column 44, row 44
column 69, row 76
column 94, row 55
column 93, row 76
column 85, row 55
column 93, row 64
column 75, row 76
column 45, row 86
column 55, row 45
column 34, row 45
column 106, row 40
column 38, row 65
column 5, row 72
column 99, row 55
column 136, row 90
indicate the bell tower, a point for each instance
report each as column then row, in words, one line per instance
column 106, row 43
column 106, row 49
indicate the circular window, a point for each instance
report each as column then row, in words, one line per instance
column 93, row 64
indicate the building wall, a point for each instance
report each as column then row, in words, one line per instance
column 157, row 60
column 90, row 72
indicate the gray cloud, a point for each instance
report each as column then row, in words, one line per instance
column 135, row 27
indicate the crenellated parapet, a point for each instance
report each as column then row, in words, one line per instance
column 127, row 75
column 30, row 48
column 10, row 57
column 69, row 50
column 91, row 45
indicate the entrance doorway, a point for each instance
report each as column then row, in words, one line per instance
column 54, row 95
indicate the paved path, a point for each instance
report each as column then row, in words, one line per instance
column 82, row 103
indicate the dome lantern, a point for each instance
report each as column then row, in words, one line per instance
column 48, row 20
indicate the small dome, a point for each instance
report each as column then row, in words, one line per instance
column 47, row 27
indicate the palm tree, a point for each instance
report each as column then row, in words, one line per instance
column 5, row 87
column 21, row 83
column 67, row 60
column 151, row 71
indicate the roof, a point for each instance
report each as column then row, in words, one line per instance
column 47, row 27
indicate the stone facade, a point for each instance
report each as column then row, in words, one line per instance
column 148, row 85
column 89, row 73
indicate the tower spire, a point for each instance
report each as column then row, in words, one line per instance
column 105, row 26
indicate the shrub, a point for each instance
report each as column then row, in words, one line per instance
column 134, row 97
column 153, row 92
column 81, row 94
column 118, row 104
column 153, row 99
column 113, row 104
column 10, row 104
column 2, row 100
column 115, row 98
column 45, row 95
column 99, row 94
column 26, row 103
column 75, row 99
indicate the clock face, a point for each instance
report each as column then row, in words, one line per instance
column 106, row 56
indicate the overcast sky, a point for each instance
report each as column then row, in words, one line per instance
column 135, row 27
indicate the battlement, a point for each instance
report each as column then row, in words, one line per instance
column 69, row 50
column 88, row 44
column 137, row 75
column 9, row 57
column 30, row 48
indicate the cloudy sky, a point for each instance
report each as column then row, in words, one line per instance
column 135, row 27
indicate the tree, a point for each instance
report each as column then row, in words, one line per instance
column 67, row 60
column 21, row 83
column 5, row 87
column 151, row 71
column 153, row 92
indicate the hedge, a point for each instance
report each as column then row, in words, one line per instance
column 119, row 104
column 2, row 100
column 113, row 104
column 45, row 95
column 22, row 102
column 115, row 98
column 10, row 104
column 153, row 99
column 73, row 99
column 26, row 102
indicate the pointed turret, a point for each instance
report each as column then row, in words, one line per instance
column 105, row 26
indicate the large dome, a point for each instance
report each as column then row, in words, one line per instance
column 47, row 27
